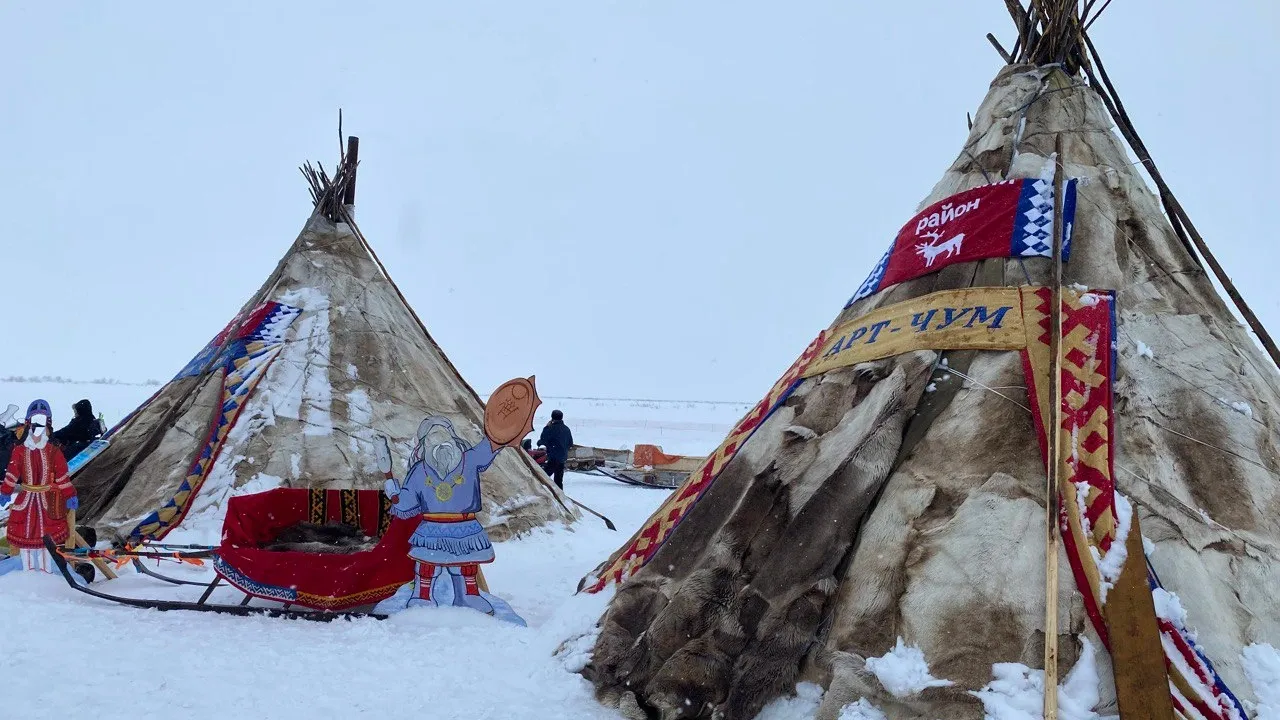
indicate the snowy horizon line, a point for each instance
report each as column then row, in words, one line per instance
column 60, row 380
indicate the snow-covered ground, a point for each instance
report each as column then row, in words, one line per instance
column 71, row 655
column 65, row 654
column 87, row 656
column 439, row 662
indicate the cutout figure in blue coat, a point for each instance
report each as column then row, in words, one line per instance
column 443, row 489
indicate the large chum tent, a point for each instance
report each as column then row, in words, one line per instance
column 892, row 484
column 292, row 392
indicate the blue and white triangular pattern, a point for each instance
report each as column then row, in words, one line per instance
column 872, row 284
column 244, row 582
column 1033, row 231
column 243, row 361
column 268, row 329
column 271, row 329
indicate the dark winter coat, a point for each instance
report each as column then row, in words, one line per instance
column 80, row 432
column 557, row 439
column 8, row 441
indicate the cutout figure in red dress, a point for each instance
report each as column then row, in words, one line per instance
column 37, row 478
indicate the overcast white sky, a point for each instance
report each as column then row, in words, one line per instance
column 630, row 199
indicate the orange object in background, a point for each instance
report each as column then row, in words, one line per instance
column 652, row 456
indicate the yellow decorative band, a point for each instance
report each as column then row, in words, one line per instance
column 973, row 318
column 448, row 517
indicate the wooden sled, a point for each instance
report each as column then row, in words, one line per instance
column 660, row 479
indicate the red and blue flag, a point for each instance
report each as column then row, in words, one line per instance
column 1013, row 218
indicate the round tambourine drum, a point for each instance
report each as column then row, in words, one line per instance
column 508, row 416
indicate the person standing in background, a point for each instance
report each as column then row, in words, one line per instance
column 557, row 439
column 78, row 434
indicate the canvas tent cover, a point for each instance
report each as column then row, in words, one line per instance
column 324, row 358
column 904, row 497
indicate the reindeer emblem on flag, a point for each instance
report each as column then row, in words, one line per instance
column 931, row 250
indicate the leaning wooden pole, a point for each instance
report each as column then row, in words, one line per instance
column 1053, row 466
column 353, row 159
column 1177, row 214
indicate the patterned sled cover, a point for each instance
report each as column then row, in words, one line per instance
column 323, row 581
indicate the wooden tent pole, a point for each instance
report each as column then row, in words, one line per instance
column 1178, row 218
column 1053, row 468
column 353, row 159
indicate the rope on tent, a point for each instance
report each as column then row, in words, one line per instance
column 1025, row 273
column 1251, row 461
column 1173, row 374
column 1200, row 515
column 988, row 388
column 1171, row 274
column 1167, row 495
column 1178, row 218
column 1042, row 93
column 1054, row 32
column 1263, row 467
column 977, row 164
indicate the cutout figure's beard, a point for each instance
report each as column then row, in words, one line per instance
column 445, row 458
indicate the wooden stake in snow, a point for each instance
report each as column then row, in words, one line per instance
column 71, row 523
column 1053, row 467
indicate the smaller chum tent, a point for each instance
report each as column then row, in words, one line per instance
column 324, row 357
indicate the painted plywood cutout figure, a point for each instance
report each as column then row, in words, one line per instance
column 442, row 488
column 42, row 493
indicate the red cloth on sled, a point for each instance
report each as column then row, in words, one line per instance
column 324, row 581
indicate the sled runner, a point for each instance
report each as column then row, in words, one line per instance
column 202, row 604
column 327, row 584
column 661, row 479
